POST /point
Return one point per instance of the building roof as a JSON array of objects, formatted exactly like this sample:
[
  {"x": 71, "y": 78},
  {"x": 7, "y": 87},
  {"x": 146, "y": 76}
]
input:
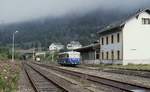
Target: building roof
[
  {"x": 120, "y": 24},
  {"x": 87, "y": 48}
]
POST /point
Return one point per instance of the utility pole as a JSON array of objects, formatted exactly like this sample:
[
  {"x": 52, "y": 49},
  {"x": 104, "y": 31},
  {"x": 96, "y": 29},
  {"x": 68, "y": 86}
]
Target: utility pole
[{"x": 13, "y": 46}]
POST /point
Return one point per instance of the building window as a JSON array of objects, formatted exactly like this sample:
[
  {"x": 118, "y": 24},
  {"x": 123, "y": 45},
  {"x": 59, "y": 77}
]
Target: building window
[
  {"x": 118, "y": 55},
  {"x": 107, "y": 54},
  {"x": 102, "y": 55},
  {"x": 102, "y": 41},
  {"x": 145, "y": 20},
  {"x": 112, "y": 39},
  {"x": 118, "y": 37},
  {"x": 97, "y": 54},
  {"x": 112, "y": 55},
  {"x": 107, "y": 40}
]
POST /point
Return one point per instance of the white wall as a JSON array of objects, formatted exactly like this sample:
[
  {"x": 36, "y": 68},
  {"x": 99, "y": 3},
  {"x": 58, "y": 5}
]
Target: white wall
[
  {"x": 136, "y": 41},
  {"x": 52, "y": 47},
  {"x": 55, "y": 47}
]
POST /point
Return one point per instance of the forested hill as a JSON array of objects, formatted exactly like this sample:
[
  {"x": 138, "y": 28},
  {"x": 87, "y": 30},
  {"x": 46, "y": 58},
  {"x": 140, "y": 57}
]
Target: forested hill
[{"x": 63, "y": 29}]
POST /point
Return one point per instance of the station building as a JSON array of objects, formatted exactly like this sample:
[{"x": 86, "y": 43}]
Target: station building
[
  {"x": 89, "y": 54},
  {"x": 127, "y": 41}
]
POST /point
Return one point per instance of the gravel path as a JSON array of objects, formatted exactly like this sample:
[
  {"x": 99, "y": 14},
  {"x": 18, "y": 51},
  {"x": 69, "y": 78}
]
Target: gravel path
[
  {"x": 24, "y": 84},
  {"x": 120, "y": 77}
]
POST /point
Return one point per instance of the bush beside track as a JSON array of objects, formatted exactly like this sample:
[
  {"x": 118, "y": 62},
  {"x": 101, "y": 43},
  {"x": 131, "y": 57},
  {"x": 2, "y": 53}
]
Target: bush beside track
[{"x": 9, "y": 75}]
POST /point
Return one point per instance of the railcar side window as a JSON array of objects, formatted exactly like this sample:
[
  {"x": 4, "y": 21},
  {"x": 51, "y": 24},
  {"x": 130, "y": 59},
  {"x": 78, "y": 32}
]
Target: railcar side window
[{"x": 67, "y": 55}]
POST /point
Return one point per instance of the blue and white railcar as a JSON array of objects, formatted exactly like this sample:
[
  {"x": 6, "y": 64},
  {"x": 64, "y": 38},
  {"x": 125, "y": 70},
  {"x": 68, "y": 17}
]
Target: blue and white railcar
[{"x": 69, "y": 58}]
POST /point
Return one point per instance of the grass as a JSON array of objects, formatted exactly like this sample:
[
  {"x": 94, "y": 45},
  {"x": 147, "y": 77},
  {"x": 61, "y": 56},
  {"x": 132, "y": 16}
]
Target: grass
[
  {"x": 9, "y": 76},
  {"x": 132, "y": 66},
  {"x": 129, "y": 66}
]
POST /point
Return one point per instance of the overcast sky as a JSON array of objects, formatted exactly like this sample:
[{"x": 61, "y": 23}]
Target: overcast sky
[{"x": 23, "y": 10}]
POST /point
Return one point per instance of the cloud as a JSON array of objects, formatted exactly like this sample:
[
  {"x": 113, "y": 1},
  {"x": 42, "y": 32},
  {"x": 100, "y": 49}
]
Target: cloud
[{"x": 22, "y": 10}]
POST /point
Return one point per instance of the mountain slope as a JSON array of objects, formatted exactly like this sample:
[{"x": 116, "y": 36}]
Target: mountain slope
[{"x": 43, "y": 32}]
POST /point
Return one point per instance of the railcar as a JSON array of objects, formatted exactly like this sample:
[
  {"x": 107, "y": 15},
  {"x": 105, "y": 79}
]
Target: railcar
[{"x": 71, "y": 58}]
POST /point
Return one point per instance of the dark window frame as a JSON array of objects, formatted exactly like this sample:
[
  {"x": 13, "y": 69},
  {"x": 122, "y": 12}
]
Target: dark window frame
[
  {"x": 102, "y": 55},
  {"x": 118, "y": 37},
  {"x": 112, "y": 39},
  {"x": 118, "y": 54},
  {"x": 97, "y": 54},
  {"x": 112, "y": 55},
  {"x": 146, "y": 21},
  {"x": 107, "y": 55},
  {"x": 102, "y": 41},
  {"x": 107, "y": 40}
]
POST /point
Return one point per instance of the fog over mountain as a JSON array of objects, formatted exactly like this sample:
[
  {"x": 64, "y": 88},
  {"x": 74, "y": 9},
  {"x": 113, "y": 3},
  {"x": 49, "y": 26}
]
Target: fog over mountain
[
  {"x": 24, "y": 10},
  {"x": 41, "y": 22}
]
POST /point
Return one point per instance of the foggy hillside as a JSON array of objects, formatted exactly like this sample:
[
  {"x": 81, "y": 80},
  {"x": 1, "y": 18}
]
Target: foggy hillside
[{"x": 43, "y": 32}]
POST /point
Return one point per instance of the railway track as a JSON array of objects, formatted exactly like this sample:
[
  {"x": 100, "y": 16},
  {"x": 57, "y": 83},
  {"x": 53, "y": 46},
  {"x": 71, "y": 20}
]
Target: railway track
[
  {"x": 126, "y": 87},
  {"x": 131, "y": 72},
  {"x": 40, "y": 83}
]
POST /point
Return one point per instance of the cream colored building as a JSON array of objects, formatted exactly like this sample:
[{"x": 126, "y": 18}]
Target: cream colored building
[{"x": 127, "y": 41}]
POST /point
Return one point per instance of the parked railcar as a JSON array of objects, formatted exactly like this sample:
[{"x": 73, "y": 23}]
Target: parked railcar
[{"x": 71, "y": 58}]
